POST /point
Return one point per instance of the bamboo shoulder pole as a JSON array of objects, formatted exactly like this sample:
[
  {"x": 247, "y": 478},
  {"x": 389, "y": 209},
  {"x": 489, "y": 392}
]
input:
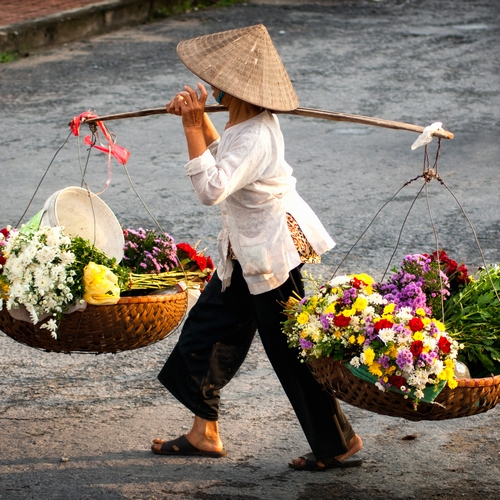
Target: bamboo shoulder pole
[{"x": 307, "y": 112}]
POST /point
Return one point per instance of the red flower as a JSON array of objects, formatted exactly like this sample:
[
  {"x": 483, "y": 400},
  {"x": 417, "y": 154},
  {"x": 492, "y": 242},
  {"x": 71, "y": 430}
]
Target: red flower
[
  {"x": 210, "y": 263},
  {"x": 463, "y": 275},
  {"x": 416, "y": 347},
  {"x": 201, "y": 262},
  {"x": 383, "y": 323},
  {"x": 357, "y": 283},
  {"x": 188, "y": 249},
  {"x": 444, "y": 345},
  {"x": 341, "y": 320},
  {"x": 415, "y": 324},
  {"x": 397, "y": 381}
]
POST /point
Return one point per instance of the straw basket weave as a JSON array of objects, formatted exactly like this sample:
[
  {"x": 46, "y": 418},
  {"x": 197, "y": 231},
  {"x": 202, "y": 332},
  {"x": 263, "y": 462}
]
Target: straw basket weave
[
  {"x": 131, "y": 323},
  {"x": 471, "y": 397}
]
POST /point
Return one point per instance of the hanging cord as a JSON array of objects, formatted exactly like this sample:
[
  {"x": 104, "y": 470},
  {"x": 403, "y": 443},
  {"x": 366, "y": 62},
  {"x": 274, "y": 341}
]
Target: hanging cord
[
  {"x": 427, "y": 175},
  {"x": 41, "y": 180},
  {"x": 141, "y": 200},
  {"x": 155, "y": 220},
  {"x": 83, "y": 171}
]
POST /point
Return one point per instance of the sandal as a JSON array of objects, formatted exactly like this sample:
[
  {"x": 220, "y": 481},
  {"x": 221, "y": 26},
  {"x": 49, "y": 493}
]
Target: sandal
[
  {"x": 310, "y": 463},
  {"x": 181, "y": 446}
]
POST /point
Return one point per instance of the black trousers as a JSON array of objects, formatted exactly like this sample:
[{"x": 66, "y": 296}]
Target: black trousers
[{"x": 215, "y": 340}]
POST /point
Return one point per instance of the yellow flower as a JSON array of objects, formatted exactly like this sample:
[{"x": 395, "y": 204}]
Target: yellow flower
[
  {"x": 100, "y": 285},
  {"x": 365, "y": 278},
  {"x": 361, "y": 339},
  {"x": 349, "y": 312},
  {"x": 313, "y": 302},
  {"x": 303, "y": 318},
  {"x": 440, "y": 326},
  {"x": 369, "y": 354},
  {"x": 330, "y": 308},
  {"x": 389, "y": 308},
  {"x": 352, "y": 339},
  {"x": 360, "y": 304},
  {"x": 418, "y": 336},
  {"x": 390, "y": 370},
  {"x": 374, "y": 369},
  {"x": 426, "y": 320},
  {"x": 452, "y": 383},
  {"x": 447, "y": 373},
  {"x": 393, "y": 351},
  {"x": 420, "y": 312}
]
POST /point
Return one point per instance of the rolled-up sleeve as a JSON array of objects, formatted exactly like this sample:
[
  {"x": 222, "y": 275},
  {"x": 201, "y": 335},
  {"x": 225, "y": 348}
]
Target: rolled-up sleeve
[{"x": 215, "y": 177}]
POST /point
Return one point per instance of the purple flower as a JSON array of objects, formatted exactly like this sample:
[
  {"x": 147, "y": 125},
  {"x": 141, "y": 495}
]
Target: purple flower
[
  {"x": 305, "y": 344},
  {"x": 404, "y": 357},
  {"x": 325, "y": 320},
  {"x": 385, "y": 361}
]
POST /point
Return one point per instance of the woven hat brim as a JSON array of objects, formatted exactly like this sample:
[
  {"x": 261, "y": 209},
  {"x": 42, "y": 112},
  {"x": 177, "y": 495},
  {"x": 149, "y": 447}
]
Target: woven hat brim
[{"x": 243, "y": 63}]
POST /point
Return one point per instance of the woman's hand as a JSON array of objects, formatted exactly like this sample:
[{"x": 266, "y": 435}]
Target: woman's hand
[{"x": 190, "y": 106}]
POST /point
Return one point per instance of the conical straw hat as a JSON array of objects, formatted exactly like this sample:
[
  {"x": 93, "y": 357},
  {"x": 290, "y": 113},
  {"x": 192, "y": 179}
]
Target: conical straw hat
[{"x": 243, "y": 63}]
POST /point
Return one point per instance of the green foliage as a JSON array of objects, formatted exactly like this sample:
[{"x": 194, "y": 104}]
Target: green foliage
[
  {"x": 6, "y": 57},
  {"x": 85, "y": 252},
  {"x": 473, "y": 319}
]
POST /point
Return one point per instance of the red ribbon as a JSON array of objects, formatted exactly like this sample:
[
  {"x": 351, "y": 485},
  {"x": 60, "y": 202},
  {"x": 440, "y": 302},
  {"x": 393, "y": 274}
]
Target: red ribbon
[{"x": 118, "y": 152}]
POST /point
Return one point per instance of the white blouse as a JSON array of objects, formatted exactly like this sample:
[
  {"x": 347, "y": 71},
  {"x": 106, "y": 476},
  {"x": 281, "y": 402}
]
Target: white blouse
[{"x": 245, "y": 172}]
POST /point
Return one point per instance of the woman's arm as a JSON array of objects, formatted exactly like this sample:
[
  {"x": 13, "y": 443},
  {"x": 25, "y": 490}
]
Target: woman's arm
[{"x": 198, "y": 128}]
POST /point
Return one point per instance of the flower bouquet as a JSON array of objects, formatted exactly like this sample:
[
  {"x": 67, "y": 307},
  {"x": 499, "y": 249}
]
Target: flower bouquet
[
  {"x": 389, "y": 342},
  {"x": 384, "y": 333},
  {"x": 44, "y": 273},
  {"x": 156, "y": 262}
]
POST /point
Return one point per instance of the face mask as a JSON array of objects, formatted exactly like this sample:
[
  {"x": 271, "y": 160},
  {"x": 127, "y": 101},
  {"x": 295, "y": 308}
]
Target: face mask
[{"x": 220, "y": 97}]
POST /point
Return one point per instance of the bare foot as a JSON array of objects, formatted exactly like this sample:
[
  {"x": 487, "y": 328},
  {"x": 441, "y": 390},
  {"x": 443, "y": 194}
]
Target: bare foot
[
  {"x": 355, "y": 445},
  {"x": 204, "y": 435}
]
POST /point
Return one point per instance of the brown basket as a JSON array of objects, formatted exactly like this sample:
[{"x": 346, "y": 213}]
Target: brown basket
[
  {"x": 131, "y": 323},
  {"x": 471, "y": 397}
]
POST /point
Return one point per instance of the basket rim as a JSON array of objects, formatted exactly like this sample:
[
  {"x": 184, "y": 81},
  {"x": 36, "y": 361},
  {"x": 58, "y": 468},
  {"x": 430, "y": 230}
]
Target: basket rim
[
  {"x": 148, "y": 299},
  {"x": 462, "y": 382},
  {"x": 479, "y": 382}
]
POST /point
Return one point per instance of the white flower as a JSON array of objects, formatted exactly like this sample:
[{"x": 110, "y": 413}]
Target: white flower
[
  {"x": 339, "y": 280},
  {"x": 368, "y": 311},
  {"x": 379, "y": 386},
  {"x": 386, "y": 335},
  {"x": 404, "y": 314},
  {"x": 376, "y": 298},
  {"x": 36, "y": 272},
  {"x": 332, "y": 298},
  {"x": 430, "y": 342},
  {"x": 51, "y": 325},
  {"x": 355, "y": 361}
]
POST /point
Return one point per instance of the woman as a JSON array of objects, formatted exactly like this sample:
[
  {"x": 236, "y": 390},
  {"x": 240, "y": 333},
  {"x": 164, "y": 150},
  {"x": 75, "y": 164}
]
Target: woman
[{"x": 268, "y": 232}]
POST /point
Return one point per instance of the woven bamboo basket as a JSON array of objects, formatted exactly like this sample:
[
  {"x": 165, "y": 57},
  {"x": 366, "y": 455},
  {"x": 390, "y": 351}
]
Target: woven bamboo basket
[
  {"x": 471, "y": 397},
  {"x": 131, "y": 323}
]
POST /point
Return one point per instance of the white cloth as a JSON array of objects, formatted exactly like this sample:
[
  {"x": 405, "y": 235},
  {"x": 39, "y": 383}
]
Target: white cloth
[{"x": 245, "y": 172}]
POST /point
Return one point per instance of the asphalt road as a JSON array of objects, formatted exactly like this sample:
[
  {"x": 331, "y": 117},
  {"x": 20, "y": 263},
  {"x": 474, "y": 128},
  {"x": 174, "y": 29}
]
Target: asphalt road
[{"x": 414, "y": 61}]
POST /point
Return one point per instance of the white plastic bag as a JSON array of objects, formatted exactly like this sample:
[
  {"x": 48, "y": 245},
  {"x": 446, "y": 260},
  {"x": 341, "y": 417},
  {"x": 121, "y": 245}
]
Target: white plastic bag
[{"x": 426, "y": 136}]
